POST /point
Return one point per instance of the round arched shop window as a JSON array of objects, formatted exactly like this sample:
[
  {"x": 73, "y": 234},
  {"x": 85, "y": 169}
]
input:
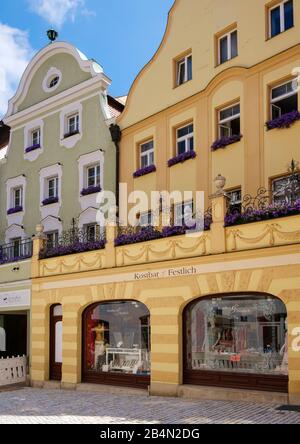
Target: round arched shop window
[
  {"x": 237, "y": 334},
  {"x": 117, "y": 339},
  {"x": 53, "y": 82}
]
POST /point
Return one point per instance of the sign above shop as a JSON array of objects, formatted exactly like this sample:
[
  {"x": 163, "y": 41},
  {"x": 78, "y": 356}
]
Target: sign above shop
[{"x": 15, "y": 299}]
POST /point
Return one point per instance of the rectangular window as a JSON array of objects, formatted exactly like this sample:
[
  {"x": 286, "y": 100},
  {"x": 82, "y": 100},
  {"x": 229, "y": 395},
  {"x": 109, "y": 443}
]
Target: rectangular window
[
  {"x": 73, "y": 124},
  {"x": 228, "y": 46},
  {"x": 185, "y": 139},
  {"x": 35, "y": 137},
  {"x": 92, "y": 232},
  {"x": 281, "y": 18},
  {"x": 229, "y": 121},
  {"x": 184, "y": 68},
  {"x": 286, "y": 189},
  {"x": 284, "y": 99},
  {"x": 17, "y": 197},
  {"x": 52, "y": 187},
  {"x": 183, "y": 213},
  {"x": 146, "y": 219},
  {"x": 93, "y": 176},
  {"x": 16, "y": 247},
  {"x": 235, "y": 200},
  {"x": 52, "y": 239},
  {"x": 147, "y": 154}
]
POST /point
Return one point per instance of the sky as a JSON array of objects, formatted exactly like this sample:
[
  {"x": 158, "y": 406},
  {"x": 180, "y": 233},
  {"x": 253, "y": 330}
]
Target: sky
[{"x": 121, "y": 35}]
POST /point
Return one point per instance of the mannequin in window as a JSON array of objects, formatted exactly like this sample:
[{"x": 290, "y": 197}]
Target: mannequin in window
[{"x": 100, "y": 347}]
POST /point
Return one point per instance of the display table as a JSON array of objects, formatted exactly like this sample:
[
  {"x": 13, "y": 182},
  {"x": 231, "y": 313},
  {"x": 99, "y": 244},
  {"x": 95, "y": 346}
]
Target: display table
[{"x": 128, "y": 360}]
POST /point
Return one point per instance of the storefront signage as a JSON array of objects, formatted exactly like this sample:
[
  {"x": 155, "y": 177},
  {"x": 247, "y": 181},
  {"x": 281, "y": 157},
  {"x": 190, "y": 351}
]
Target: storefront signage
[
  {"x": 170, "y": 272},
  {"x": 15, "y": 299}
]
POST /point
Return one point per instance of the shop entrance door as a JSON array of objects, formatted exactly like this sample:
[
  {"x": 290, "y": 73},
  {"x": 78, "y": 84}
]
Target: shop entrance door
[{"x": 55, "y": 342}]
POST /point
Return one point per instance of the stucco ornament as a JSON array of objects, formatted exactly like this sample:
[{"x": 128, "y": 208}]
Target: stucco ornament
[{"x": 39, "y": 231}]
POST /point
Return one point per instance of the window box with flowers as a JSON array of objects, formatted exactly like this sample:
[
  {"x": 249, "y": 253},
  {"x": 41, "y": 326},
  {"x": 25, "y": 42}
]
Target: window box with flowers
[
  {"x": 15, "y": 210},
  {"x": 144, "y": 171},
  {"x": 50, "y": 200},
  {"x": 181, "y": 158},
  {"x": 225, "y": 141},
  {"x": 32, "y": 148},
  {"x": 90, "y": 190},
  {"x": 285, "y": 121}
]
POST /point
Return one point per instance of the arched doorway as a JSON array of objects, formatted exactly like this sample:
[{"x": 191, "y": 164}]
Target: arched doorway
[
  {"x": 55, "y": 343},
  {"x": 116, "y": 344},
  {"x": 237, "y": 341}
]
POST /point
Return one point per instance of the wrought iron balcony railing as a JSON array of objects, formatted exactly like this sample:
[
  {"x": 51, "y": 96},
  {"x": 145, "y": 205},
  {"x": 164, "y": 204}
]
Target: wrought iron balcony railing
[{"x": 15, "y": 251}]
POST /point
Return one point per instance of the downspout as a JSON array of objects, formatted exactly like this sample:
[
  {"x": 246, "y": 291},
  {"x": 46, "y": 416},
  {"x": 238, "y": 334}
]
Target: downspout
[{"x": 116, "y": 136}]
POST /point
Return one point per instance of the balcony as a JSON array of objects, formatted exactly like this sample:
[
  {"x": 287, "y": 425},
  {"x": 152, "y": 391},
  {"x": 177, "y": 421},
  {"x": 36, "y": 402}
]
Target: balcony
[{"x": 15, "y": 251}]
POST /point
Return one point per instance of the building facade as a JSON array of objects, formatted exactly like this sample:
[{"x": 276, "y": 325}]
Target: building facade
[
  {"x": 54, "y": 160},
  {"x": 160, "y": 306}
]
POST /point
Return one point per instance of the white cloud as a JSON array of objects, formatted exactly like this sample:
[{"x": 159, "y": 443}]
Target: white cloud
[
  {"x": 56, "y": 12},
  {"x": 15, "y": 53}
]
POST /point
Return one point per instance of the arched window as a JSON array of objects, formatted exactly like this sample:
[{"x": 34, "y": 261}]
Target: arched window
[
  {"x": 116, "y": 343},
  {"x": 237, "y": 340}
]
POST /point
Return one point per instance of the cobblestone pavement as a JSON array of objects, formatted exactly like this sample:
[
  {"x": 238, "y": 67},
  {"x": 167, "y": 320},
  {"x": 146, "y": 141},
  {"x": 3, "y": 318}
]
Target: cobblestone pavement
[{"x": 25, "y": 406}]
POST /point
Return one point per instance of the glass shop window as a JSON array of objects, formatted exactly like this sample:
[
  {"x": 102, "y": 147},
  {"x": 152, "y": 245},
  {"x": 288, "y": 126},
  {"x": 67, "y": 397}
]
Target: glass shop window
[
  {"x": 118, "y": 338},
  {"x": 238, "y": 333},
  {"x": 284, "y": 99}
]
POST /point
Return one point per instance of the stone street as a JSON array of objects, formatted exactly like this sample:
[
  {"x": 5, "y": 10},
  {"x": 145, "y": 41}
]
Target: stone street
[{"x": 35, "y": 406}]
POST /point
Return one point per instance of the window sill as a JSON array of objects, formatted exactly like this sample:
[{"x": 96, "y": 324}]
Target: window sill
[
  {"x": 49, "y": 201},
  {"x": 181, "y": 84},
  {"x": 181, "y": 158},
  {"x": 13, "y": 211},
  {"x": 144, "y": 171},
  {"x": 68, "y": 135},
  {"x": 32, "y": 148},
  {"x": 226, "y": 141},
  {"x": 89, "y": 191},
  {"x": 226, "y": 61},
  {"x": 277, "y": 35},
  {"x": 283, "y": 122}
]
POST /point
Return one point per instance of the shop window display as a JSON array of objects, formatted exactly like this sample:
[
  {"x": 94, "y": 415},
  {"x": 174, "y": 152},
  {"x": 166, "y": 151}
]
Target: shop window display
[
  {"x": 117, "y": 338},
  {"x": 237, "y": 334}
]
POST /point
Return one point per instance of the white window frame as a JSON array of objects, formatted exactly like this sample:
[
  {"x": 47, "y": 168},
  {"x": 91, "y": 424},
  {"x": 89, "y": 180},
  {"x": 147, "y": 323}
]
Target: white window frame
[
  {"x": 179, "y": 63},
  {"x": 148, "y": 215},
  {"x": 283, "y": 96},
  {"x": 74, "y": 116},
  {"x": 187, "y": 138},
  {"x": 93, "y": 225},
  {"x": 38, "y": 132},
  {"x": 228, "y": 35},
  {"x": 228, "y": 119},
  {"x": 93, "y": 167},
  {"x": 179, "y": 218},
  {"x": 13, "y": 201},
  {"x": 282, "y": 18},
  {"x": 56, "y": 186},
  {"x": 54, "y": 234},
  {"x": 147, "y": 154}
]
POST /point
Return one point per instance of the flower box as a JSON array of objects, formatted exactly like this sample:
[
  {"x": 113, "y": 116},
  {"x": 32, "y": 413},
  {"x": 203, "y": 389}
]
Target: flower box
[
  {"x": 50, "y": 200},
  {"x": 73, "y": 133},
  {"x": 145, "y": 234},
  {"x": 181, "y": 158},
  {"x": 284, "y": 121},
  {"x": 270, "y": 212},
  {"x": 78, "y": 247},
  {"x": 32, "y": 148},
  {"x": 225, "y": 141},
  {"x": 90, "y": 190},
  {"x": 15, "y": 210},
  {"x": 143, "y": 171}
]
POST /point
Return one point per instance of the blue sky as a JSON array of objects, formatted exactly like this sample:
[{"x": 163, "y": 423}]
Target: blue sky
[{"x": 122, "y": 35}]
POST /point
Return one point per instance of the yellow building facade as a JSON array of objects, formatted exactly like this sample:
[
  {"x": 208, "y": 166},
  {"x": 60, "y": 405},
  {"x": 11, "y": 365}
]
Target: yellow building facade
[{"x": 222, "y": 71}]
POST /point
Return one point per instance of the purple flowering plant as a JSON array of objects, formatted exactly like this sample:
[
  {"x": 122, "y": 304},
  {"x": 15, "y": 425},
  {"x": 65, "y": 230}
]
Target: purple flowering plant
[
  {"x": 32, "y": 148},
  {"x": 14, "y": 210},
  {"x": 182, "y": 158},
  {"x": 285, "y": 121},
  {"x": 50, "y": 200},
  {"x": 225, "y": 141},
  {"x": 90, "y": 190},
  {"x": 256, "y": 215},
  {"x": 143, "y": 171},
  {"x": 77, "y": 247}
]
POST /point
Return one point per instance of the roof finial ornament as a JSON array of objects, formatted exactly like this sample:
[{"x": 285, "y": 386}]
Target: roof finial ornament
[{"x": 52, "y": 35}]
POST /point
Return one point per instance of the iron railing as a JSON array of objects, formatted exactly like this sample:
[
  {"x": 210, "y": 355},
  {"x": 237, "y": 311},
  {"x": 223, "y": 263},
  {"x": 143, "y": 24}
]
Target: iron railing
[
  {"x": 15, "y": 251},
  {"x": 72, "y": 241}
]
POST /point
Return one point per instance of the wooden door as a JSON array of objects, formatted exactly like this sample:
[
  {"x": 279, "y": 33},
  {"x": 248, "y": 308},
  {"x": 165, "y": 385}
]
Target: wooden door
[{"x": 55, "y": 342}]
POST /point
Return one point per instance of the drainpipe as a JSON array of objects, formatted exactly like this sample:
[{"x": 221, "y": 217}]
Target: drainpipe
[{"x": 116, "y": 136}]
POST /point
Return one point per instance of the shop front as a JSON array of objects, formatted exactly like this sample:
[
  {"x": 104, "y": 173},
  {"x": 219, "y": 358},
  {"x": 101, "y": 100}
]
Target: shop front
[
  {"x": 14, "y": 323},
  {"x": 116, "y": 344},
  {"x": 238, "y": 341}
]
